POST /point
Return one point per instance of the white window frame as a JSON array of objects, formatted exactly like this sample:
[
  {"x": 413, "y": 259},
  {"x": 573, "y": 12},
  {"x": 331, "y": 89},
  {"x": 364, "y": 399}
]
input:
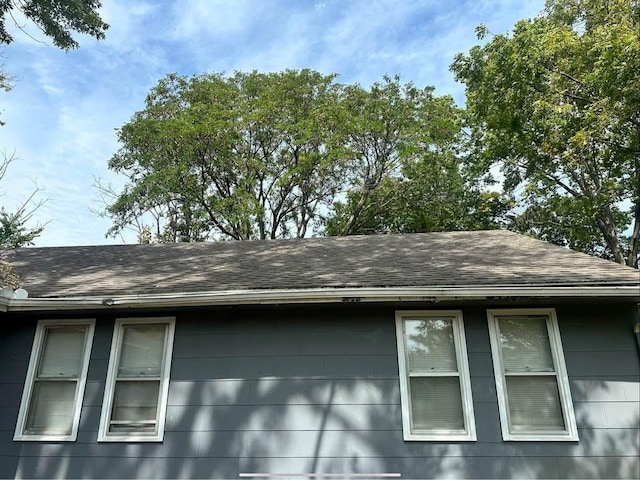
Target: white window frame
[
  {"x": 566, "y": 404},
  {"x": 112, "y": 371},
  {"x": 36, "y": 351},
  {"x": 460, "y": 346}
]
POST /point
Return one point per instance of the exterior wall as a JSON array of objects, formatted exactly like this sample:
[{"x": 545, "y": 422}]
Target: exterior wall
[{"x": 288, "y": 390}]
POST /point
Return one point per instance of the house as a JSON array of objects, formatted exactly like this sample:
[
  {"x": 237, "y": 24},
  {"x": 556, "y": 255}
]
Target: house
[{"x": 465, "y": 354}]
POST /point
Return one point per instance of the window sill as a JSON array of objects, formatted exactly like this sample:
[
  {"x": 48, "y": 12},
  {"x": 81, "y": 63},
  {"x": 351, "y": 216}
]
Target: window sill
[
  {"x": 44, "y": 438},
  {"x": 416, "y": 437},
  {"x": 131, "y": 438},
  {"x": 539, "y": 437}
]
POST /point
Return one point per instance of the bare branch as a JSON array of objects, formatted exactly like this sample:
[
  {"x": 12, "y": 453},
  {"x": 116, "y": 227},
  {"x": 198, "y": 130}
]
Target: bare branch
[{"x": 22, "y": 28}]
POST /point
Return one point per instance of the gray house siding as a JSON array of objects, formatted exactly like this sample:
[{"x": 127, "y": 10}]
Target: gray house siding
[{"x": 315, "y": 389}]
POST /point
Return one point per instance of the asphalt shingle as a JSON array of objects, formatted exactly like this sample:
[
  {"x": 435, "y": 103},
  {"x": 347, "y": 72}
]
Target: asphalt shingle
[{"x": 481, "y": 258}]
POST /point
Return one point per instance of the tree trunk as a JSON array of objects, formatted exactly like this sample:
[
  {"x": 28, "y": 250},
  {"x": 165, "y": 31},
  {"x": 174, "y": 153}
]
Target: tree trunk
[
  {"x": 634, "y": 241},
  {"x": 355, "y": 214},
  {"x": 608, "y": 229}
]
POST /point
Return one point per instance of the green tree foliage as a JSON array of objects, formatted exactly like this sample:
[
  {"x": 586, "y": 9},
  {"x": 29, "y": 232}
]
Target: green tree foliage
[
  {"x": 411, "y": 177},
  {"x": 556, "y": 104},
  {"x": 14, "y": 231},
  {"x": 429, "y": 202},
  {"x": 269, "y": 155},
  {"x": 56, "y": 18},
  {"x": 238, "y": 157}
]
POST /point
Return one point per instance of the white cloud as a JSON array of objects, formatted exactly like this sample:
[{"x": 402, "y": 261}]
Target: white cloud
[{"x": 214, "y": 18}]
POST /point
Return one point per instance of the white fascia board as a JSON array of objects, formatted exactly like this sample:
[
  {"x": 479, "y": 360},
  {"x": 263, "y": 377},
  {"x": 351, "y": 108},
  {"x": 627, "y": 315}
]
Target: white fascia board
[{"x": 316, "y": 295}]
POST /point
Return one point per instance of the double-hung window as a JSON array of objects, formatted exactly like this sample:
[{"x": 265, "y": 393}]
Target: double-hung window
[
  {"x": 531, "y": 377},
  {"x": 435, "y": 388},
  {"x": 135, "y": 400},
  {"x": 56, "y": 377}
]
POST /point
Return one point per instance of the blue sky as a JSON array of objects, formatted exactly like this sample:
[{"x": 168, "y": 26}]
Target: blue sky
[{"x": 63, "y": 112}]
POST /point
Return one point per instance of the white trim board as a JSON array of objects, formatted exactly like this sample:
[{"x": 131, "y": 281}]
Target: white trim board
[{"x": 317, "y": 295}]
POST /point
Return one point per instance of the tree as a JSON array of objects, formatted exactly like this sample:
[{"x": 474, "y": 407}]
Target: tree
[
  {"x": 271, "y": 155},
  {"x": 56, "y": 19},
  {"x": 556, "y": 105},
  {"x": 383, "y": 126},
  {"x": 427, "y": 202},
  {"x": 14, "y": 231},
  {"x": 412, "y": 177},
  {"x": 241, "y": 157}
]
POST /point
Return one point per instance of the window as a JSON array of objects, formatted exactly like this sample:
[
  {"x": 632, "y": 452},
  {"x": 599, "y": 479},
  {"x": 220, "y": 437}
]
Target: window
[
  {"x": 135, "y": 398},
  {"x": 57, "y": 373},
  {"x": 531, "y": 378},
  {"x": 435, "y": 389}
]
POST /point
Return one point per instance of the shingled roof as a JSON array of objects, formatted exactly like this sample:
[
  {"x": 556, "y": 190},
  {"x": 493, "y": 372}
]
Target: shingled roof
[{"x": 481, "y": 258}]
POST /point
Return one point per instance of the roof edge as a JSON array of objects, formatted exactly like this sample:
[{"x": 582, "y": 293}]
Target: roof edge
[{"x": 314, "y": 295}]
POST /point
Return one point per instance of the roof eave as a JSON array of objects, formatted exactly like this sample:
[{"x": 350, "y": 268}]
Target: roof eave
[{"x": 316, "y": 295}]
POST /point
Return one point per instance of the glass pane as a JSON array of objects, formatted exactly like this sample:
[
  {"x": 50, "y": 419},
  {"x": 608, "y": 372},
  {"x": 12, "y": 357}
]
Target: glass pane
[
  {"x": 430, "y": 345},
  {"x": 51, "y": 409},
  {"x": 534, "y": 403},
  {"x": 141, "y": 352},
  {"x": 62, "y": 350},
  {"x": 525, "y": 344},
  {"x": 135, "y": 401},
  {"x": 436, "y": 403}
]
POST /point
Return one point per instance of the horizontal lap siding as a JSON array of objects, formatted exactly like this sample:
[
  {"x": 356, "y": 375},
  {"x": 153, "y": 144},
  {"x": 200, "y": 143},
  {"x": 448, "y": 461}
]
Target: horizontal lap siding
[
  {"x": 295, "y": 390},
  {"x": 15, "y": 348}
]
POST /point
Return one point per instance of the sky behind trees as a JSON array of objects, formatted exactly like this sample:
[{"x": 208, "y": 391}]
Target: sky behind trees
[{"x": 65, "y": 107}]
